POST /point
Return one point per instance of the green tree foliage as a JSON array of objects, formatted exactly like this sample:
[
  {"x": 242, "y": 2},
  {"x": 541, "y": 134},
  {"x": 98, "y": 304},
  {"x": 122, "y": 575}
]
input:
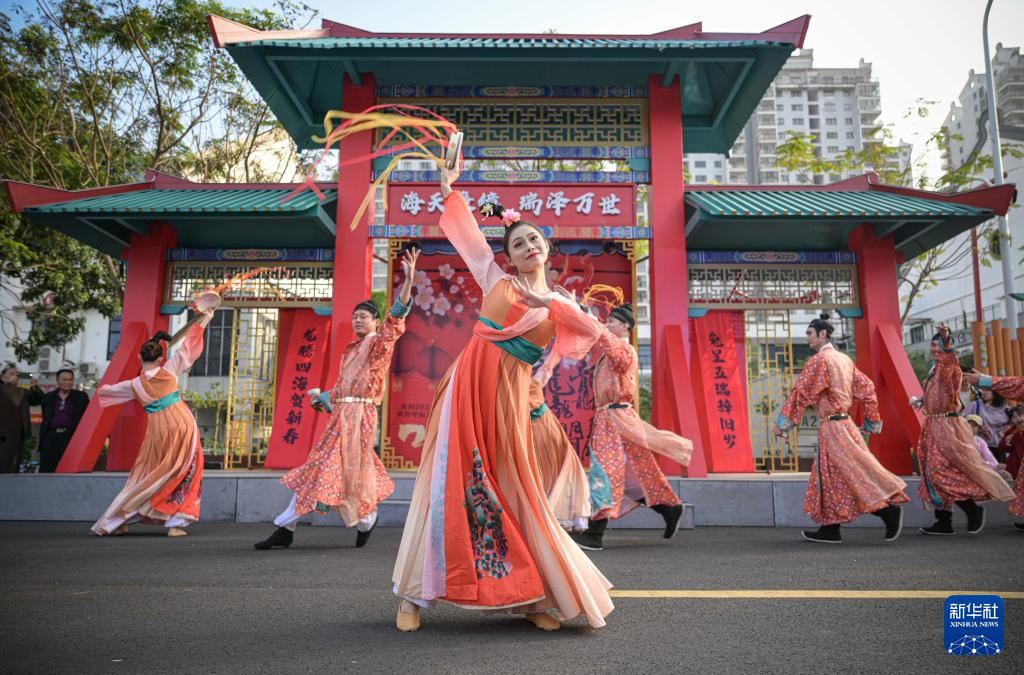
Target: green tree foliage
[{"x": 92, "y": 93}]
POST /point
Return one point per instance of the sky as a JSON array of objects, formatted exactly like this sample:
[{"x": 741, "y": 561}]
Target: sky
[{"x": 919, "y": 50}]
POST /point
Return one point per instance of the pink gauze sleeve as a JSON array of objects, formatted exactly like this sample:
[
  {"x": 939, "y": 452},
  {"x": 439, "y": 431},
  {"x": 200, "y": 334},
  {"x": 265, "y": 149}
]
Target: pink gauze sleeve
[
  {"x": 575, "y": 331},
  {"x": 460, "y": 227},
  {"x": 547, "y": 368},
  {"x": 187, "y": 352},
  {"x": 115, "y": 394}
]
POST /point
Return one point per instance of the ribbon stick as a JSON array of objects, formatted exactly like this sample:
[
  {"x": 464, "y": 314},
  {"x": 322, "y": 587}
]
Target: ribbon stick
[
  {"x": 408, "y": 136},
  {"x": 215, "y": 294},
  {"x": 598, "y": 295}
]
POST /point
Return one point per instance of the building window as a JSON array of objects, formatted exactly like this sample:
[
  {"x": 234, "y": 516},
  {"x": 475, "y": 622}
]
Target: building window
[
  {"x": 215, "y": 361},
  {"x": 848, "y": 120},
  {"x": 849, "y": 134},
  {"x": 643, "y": 351},
  {"x": 700, "y": 178},
  {"x": 781, "y": 121},
  {"x": 917, "y": 334},
  {"x": 830, "y": 120},
  {"x": 831, "y": 134},
  {"x": 780, "y": 107},
  {"x": 718, "y": 164},
  {"x": 701, "y": 164},
  {"x": 830, "y": 107},
  {"x": 113, "y": 336},
  {"x": 847, "y": 107},
  {"x": 798, "y": 121},
  {"x": 797, "y": 107},
  {"x": 833, "y": 148}
]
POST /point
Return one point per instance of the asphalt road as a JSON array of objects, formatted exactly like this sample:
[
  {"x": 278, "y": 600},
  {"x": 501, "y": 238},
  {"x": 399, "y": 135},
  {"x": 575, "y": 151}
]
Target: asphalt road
[{"x": 144, "y": 603}]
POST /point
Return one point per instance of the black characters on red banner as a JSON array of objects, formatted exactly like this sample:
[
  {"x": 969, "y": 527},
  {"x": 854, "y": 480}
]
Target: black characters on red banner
[
  {"x": 571, "y": 396},
  {"x": 723, "y": 402},
  {"x": 305, "y": 353}
]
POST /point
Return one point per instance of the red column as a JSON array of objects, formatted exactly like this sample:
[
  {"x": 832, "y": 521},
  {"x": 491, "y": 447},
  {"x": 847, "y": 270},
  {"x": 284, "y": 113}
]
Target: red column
[
  {"x": 673, "y": 402},
  {"x": 879, "y": 347},
  {"x": 353, "y": 249},
  {"x": 146, "y": 266}
]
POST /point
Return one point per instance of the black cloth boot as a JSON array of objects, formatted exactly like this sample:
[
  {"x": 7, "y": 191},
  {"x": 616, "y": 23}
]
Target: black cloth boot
[
  {"x": 826, "y": 534},
  {"x": 363, "y": 537},
  {"x": 943, "y": 525},
  {"x": 975, "y": 515},
  {"x": 892, "y": 516},
  {"x": 282, "y": 537},
  {"x": 671, "y": 514},
  {"x": 591, "y": 539}
]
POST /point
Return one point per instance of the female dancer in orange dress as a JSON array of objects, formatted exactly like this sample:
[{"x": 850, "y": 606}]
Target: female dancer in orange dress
[
  {"x": 480, "y": 533},
  {"x": 163, "y": 486},
  {"x": 846, "y": 479},
  {"x": 952, "y": 471}
]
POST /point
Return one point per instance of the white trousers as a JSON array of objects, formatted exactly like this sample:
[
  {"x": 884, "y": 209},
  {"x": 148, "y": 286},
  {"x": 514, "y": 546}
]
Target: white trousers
[{"x": 288, "y": 519}]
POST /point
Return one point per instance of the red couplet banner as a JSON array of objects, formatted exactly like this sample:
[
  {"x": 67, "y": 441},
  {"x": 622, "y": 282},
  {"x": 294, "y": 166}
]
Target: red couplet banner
[
  {"x": 725, "y": 404},
  {"x": 555, "y": 205},
  {"x": 446, "y": 304},
  {"x": 300, "y": 365}
]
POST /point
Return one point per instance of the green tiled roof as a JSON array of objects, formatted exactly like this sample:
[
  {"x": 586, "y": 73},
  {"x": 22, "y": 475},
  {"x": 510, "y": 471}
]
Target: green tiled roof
[
  {"x": 509, "y": 43},
  {"x": 190, "y": 201},
  {"x": 822, "y": 204},
  {"x": 722, "y": 80}
]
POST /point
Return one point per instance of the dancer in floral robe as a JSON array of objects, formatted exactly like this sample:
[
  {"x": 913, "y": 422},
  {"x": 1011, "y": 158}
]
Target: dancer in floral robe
[
  {"x": 952, "y": 472},
  {"x": 164, "y": 485},
  {"x": 1011, "y": 388},
  {"x": 342, "y": 472},
  {"x": 846, "y": 479},
  {"x": 480, "y": 533},
  {"x": 623, "y": 469}
]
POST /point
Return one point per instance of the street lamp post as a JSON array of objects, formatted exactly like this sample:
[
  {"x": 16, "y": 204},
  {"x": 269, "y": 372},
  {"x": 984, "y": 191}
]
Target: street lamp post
[{"x": 997, "y": 169}]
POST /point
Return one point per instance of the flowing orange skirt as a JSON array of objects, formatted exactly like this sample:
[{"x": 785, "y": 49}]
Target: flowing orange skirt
[
  {"x": 164, "y": 485},
  {"x": 480, "y": 532}
]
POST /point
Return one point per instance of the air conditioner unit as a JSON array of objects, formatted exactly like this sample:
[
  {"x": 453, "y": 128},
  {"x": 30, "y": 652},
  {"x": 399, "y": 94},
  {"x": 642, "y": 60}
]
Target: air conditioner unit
[
  {"x": 45, "y": 353},
  {"x": 87, "y": 369}
]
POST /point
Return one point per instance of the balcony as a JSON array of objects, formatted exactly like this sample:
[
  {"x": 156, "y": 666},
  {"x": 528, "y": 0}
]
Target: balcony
[{"x": 869, "y": 104}]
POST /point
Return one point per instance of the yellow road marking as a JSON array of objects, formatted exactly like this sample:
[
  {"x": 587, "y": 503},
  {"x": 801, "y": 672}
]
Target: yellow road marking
[{"x": 858, "y": 595}]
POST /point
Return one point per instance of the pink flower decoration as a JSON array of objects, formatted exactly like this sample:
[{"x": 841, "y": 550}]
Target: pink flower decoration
[{"x": 509, "y": 216}]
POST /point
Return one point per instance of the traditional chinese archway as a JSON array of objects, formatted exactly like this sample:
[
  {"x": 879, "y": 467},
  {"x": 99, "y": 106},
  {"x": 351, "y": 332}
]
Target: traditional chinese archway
[{"x": 631, "y": 99}]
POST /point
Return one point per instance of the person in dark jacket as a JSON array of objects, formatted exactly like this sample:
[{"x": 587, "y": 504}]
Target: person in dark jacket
[
  {"x": 62, "y": 411},
  {"x": 14, "y": 419}
]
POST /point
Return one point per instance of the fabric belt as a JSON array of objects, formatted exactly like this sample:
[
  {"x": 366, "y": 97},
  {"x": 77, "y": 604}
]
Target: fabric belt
[
  {"x": 538, "y": 412},
  {"x": 355, "y": 399},
  {"x": 615, "y": 406},
  {"x": 517, "y": 346},
  {"x": 945, "y": 414},
  {"x": 163, "y": 402},
  {"x": 836, "y": 418}
]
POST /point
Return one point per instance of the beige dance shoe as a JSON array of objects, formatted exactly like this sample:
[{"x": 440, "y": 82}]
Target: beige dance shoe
[
  {"x": 544, "y": 621},
  {"x": 408, "y": 617}
]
